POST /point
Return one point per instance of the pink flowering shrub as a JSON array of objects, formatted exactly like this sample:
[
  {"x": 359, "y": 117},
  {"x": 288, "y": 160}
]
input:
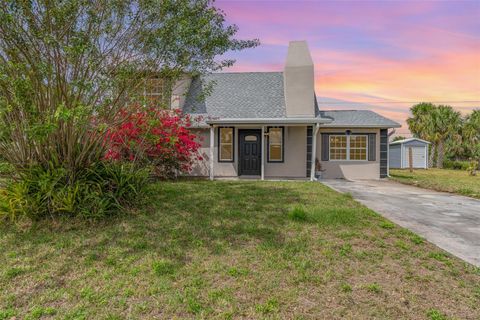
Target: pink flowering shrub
[{"x": 158, "y": 137}]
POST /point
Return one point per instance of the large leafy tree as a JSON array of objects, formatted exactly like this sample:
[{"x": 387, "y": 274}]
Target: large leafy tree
[{"x": 63, "y": 63}]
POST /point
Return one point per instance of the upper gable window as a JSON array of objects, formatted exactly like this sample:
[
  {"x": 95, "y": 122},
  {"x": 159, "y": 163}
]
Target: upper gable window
[{"x": 155, "y": 92}]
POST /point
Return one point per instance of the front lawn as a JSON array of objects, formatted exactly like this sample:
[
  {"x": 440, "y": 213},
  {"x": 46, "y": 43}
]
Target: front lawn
[
  {"x": 222, "y": 250},
  {"x": 456, "y": 181}
]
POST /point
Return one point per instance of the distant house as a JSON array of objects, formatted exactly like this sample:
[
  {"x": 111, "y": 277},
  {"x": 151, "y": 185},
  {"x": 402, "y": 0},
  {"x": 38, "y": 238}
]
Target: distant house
[
  {"x": 268, "y": 125},
  {"x": 400, "y": 150}
]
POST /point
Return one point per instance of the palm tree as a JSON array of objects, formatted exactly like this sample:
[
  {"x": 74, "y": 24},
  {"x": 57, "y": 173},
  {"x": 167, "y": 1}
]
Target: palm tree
[
  {"x": 471, "y": 134},
  {"x": 421, "y": 125},
  {"x": 446, "y": 124}
]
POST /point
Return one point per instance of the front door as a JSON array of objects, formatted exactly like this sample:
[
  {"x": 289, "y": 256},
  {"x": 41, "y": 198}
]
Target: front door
[{"x": 250, "y": 151}]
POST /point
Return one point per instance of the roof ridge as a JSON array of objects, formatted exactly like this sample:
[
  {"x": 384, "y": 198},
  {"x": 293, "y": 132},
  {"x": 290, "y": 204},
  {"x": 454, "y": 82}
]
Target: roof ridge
[
  {"x": 349, "y": 110},
  {"x": 244, "y": 72}
]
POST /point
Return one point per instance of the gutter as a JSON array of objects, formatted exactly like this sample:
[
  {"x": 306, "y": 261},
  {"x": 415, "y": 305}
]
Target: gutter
[
  {"x": 268, "y": 121},
  {"x": 362, "y": 126}
]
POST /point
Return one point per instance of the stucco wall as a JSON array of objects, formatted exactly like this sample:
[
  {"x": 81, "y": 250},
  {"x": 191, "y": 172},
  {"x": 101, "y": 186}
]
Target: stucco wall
[
  {"x": 200, "y": 168},
  {"x": 351, "y": 170},
  {"x": 294, "y": 164},
  {"x": 221, "y": 169},
  {"x": 295, "y": 154}
]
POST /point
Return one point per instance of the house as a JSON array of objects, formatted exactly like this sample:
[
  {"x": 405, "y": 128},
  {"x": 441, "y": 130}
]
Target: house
[
  {"x": 401, "y": 151},
  {"x": 268, "y": 125}
]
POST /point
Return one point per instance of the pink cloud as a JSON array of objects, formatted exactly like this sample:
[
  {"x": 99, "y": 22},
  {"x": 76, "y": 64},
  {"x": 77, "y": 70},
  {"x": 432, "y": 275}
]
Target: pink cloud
[{"x": 377, "y": 53}]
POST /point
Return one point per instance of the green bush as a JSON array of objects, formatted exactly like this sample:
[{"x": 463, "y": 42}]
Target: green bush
[
  {"x": 5, "y": 168},
  {"x": 99, "y": 191},
  {"x": 456, "y": 164}
]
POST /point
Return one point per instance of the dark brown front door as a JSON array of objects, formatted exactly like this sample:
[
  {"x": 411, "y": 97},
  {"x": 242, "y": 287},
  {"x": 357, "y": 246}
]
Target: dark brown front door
[{"x": 250, "y": 151}]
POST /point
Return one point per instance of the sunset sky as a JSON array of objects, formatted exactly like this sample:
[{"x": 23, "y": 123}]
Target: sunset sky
[{"x": 378, "y": 55}]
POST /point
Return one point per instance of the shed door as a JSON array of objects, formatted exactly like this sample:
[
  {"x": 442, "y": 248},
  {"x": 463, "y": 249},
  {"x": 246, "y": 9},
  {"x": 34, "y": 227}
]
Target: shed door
[{"x": 418, "y": 156}]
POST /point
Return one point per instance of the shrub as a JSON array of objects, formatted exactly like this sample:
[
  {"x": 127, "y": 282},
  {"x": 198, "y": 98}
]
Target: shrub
[
  {"x": 456, "y": 164},
  {"x": 151, "y": 136},
  {"x": 5, "y": 168},
  {"x": 472, "y": 167},
  {"x": 95, "y": 192}
]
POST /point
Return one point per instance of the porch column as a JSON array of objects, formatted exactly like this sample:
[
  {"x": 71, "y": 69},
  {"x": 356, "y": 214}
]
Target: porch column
[
  {"x": 262, "y": 156},
  {"x": 314, "y": 152},
  {"x": 212, "y": 146}
]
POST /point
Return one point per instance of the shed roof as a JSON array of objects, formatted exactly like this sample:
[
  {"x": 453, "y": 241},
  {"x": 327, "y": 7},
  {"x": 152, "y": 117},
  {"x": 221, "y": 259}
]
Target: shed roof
[{"x": 409, "y": 140}]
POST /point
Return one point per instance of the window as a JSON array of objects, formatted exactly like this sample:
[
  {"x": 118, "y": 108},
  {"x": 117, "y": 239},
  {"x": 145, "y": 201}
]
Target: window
[
  {"x": 351, "y": 147},
  {"x": 155, "y": 92},
  {"x": 358, "y": 147},
  {"x": 275, "y": 144},
  {"x": 338, "y": 147},
  {"x": 225, "y": 144}
]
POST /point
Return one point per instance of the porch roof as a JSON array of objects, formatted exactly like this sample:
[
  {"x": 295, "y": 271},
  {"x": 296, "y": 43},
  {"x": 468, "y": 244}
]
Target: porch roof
[{"x": 356, "y": 119}]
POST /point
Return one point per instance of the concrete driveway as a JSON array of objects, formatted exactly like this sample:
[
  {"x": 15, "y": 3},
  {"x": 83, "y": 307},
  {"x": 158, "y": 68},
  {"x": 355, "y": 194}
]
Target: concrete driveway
[{"x": 451, "y": 222}]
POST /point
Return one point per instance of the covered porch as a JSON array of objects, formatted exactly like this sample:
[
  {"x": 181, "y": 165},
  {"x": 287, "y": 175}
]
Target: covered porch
[{"x": 263, "y": 148}]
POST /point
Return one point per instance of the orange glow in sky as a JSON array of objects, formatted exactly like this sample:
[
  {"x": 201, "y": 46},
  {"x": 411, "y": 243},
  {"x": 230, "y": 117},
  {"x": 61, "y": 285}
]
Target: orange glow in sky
[{"x": 379, "y": 55}]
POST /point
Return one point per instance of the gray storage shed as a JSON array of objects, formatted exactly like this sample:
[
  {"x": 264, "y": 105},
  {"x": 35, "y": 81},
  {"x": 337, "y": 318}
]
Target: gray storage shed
[{"x": 399, "y": 153}]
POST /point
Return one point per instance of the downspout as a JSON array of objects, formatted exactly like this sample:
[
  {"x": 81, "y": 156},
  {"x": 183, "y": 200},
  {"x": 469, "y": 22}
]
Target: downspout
[
  {"x": 262, "y": 156},
  {"x": 314, "y": 152}
]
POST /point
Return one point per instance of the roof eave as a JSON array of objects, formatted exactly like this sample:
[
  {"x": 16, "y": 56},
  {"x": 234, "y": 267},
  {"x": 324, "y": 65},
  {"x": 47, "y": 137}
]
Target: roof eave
[
  {"x": 376, "y": 126},
  {"x": 268, "y": 121},
  {"x": 409, "y": 140}
]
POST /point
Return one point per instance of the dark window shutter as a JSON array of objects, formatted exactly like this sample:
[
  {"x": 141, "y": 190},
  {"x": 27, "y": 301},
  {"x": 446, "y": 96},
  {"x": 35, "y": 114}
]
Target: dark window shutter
[
  {"x": 372, "y": 147},
  {"x": 325, "y": 146}
]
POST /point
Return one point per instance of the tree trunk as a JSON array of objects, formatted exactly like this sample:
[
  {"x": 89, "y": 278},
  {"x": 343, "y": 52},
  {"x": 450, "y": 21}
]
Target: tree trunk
[
  {"x": 431, "y": 156},
  {"x": 440, "y": 154}
]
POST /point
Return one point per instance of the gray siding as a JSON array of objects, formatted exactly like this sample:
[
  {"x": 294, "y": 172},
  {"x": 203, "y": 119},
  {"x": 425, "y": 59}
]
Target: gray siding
[
  {"x": 309, "y": 150},
  {"x": 383, "y": 153},
  {"x": 395, "y": 156},
  {"x": 372, "y": 151}
]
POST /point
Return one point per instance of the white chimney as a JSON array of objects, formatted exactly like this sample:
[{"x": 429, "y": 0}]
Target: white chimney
[{"x": 299, "y": 81}]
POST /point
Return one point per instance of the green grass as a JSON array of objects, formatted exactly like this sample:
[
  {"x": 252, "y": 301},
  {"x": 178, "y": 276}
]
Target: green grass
[
  {"x": 455, "y": 181},
  {"x": 227, "y": 250}
]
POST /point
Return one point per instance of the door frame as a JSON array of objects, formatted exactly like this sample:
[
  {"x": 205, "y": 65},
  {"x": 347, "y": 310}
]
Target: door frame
[{"x": 241, "y": 134}]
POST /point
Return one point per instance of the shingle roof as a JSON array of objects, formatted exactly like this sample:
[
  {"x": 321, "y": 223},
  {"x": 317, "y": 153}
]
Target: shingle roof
[
  {"x": 238, "y": 95},
  {"x": 260, "y": 95},
  {"x": 357, "y": 118}
]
